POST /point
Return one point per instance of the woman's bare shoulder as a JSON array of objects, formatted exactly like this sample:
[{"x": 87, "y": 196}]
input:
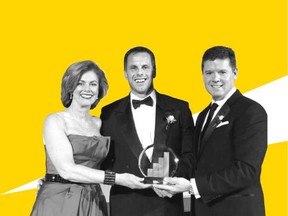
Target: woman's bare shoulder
[
  {"x": 55, "y": 119},
  {"x": 97, "y": 121}
]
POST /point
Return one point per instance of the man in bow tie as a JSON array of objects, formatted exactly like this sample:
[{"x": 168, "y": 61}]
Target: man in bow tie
[
  {"x": 231, "y": 142},
  {"x": 142, "y": 118}
]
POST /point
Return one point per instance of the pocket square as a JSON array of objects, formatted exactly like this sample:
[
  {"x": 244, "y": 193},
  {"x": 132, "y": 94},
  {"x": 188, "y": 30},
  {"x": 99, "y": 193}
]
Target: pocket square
[{"x": 222, "y": 123}]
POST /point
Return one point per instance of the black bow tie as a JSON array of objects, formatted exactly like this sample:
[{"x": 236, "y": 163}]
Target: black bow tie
[{"x": 147, "y": 101}]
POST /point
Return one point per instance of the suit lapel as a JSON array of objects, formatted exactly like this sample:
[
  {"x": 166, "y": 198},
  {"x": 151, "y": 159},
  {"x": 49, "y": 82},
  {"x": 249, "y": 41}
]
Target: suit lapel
[
  {"x": 125, "y": 119},
  {"x": 224, "y": 111},
  {"x": 199, "y": 125},
  {"x": 160, "y": 137},
  {"x": 160, "y": 123}
]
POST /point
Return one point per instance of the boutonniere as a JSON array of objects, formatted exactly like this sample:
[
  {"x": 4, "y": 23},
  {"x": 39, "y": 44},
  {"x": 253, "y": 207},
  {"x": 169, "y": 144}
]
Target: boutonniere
[
  {"x": 219, "y": 119},
  {"x": 170, "y": 120}
]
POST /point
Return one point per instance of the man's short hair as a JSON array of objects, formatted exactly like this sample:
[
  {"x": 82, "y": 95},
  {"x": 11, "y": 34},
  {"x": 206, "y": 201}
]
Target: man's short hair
[
  {"x": 219, "y": 52},
  {"x": 72, "y": 76},
  {"x": 140, "y": 49}
]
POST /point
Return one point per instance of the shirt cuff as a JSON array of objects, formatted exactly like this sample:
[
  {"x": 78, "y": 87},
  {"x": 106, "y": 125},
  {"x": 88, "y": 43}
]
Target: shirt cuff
[{"x": 195, "y": 190}]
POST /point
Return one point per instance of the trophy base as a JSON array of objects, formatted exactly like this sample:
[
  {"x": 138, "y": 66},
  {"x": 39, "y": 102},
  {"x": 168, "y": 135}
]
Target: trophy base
[{"x": 153, "y": 180}]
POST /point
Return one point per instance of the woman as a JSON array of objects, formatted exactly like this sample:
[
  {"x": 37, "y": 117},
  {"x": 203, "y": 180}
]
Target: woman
[{"x": 75, "y": 149}]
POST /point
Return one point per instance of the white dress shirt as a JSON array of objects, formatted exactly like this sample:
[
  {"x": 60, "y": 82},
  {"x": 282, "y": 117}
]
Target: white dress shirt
[{"x": 144, "y": 120}]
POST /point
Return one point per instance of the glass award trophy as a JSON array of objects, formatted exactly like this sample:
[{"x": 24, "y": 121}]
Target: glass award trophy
[{"x": 163, "y": 163}]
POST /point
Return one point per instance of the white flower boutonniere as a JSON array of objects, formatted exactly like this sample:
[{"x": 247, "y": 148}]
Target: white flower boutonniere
[
  {"x": 170, "y": 120},
  {"x": 220, "y": 117},
  {"x": 218, "y": 120}
]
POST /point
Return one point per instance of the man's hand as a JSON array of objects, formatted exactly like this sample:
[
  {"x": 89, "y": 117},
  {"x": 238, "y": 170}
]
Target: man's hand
[
  {"x": 162, "y": 193},
  {"x": 174, "y": 185}
]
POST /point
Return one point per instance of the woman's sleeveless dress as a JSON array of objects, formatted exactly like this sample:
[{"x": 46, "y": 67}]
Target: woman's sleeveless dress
[{"x": 65, "y": 199}]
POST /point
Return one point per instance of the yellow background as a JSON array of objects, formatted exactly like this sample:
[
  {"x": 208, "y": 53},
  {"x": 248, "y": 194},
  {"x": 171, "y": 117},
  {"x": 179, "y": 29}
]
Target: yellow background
[{"x": 39, "y": 40}]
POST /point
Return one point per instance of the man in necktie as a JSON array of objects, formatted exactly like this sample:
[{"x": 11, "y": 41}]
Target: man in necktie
[
  {"x": 231, "y": 145},
  {"x": 211, "y": 112},
  {"x": 137, "y": 121}
]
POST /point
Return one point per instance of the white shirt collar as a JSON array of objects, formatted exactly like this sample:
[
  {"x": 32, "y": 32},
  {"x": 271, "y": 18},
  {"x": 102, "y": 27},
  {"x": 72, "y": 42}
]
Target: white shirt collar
[{"x": 223, "y": 101}]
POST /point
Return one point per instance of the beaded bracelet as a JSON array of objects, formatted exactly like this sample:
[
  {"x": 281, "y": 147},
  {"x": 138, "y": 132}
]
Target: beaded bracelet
[{"x": 109, "y": 178}]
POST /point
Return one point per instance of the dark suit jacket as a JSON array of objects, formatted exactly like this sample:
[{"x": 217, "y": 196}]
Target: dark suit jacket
[
  {"x": 117, "y": 122},
  {"x": 229, "y": 159}
]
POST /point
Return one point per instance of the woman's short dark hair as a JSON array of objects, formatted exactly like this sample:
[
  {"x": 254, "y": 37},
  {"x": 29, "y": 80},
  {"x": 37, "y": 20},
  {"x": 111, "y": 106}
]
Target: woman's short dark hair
[{"x": 72, "y": 76}]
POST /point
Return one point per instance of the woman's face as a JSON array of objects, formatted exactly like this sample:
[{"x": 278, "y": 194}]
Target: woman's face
[{"x": 86, "y": 92}]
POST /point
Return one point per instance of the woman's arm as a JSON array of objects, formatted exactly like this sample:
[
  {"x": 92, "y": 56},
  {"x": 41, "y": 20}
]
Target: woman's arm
[{"x": 61, "y": 154}]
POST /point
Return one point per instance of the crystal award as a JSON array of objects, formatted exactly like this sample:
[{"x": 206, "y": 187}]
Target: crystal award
[{"x": 163, "y": 163}]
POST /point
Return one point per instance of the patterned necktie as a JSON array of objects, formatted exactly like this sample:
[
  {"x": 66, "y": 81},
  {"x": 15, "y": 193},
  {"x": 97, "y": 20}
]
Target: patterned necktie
[
  {"x": 211, "y": 113},
  {"x": 147, "y": 101}
]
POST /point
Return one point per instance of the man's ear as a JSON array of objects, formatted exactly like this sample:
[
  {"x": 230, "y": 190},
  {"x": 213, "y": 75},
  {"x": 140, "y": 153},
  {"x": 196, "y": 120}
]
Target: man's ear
[
  {"x": 125, "y": 74},
  {"x": 235, "y": 73},
  {"x": 154, "y": 71}
]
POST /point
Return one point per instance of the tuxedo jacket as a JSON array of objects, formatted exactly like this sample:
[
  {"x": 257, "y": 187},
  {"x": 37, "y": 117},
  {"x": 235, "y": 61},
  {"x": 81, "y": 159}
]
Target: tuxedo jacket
[
  {"x": 117, "y": 122},
  {"x": 229, "y": 159}
]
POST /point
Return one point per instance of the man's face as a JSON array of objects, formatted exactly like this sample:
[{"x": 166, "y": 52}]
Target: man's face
[
  {"x": 139, "y": 73},
  {"x": 218, "y": 77}
]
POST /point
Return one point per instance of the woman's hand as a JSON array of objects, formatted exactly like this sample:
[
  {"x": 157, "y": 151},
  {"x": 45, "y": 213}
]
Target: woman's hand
[{"x": 131, "y": 181}]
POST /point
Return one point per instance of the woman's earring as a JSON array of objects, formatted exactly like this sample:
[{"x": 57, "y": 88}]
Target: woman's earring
[{"x": 71, "y": 96}]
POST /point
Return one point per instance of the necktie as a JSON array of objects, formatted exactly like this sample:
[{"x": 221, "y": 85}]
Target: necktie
[
  {"x": 147, "y": 101},
  {"x": 211, "y": 113}
]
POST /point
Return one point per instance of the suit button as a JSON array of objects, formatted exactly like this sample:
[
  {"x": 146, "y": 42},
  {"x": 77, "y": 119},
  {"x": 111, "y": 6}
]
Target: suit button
[{"x": 127, "y": 166}]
